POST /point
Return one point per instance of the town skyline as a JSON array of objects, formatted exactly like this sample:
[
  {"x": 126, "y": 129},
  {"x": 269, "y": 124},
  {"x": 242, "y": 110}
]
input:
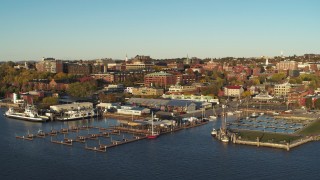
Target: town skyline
[{"x": 166, "y": 29}]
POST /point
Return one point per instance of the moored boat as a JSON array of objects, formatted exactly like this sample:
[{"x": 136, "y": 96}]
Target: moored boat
[
  {"x": 212, "y": 118},
  {"x": 224, "y": 138},
  {"x": 254, "y": 115},
  {"x": 214, "y": 132},
  {"x": 153, "y": 134},
  {"x": 30, "y": 114}
]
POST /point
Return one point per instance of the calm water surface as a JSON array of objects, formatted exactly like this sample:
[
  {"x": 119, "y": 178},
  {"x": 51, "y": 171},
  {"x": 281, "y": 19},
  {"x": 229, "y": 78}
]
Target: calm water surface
[{"x": 187, "y": 154}]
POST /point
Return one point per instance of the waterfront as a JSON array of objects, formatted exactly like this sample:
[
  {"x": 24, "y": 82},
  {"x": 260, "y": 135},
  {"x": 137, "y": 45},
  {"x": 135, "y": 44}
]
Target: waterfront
[{"x": 186, "y": 154}]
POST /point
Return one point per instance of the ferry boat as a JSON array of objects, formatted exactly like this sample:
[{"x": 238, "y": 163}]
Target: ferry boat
[
  {"x": 29, "y": 114},
  {"x": 77, "y": 114}
]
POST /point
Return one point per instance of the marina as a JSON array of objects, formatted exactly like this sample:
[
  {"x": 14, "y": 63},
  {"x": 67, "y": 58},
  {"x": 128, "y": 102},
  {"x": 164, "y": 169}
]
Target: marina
[
  {"x": 194, "y": 146},
  {"x": 98, "y": 138}
]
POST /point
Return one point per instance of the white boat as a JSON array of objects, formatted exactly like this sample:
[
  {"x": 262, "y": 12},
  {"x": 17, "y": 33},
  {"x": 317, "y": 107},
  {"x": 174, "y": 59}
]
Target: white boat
[
  {"x": 29, "y": 114},
  {"x": 214, "y": 132},
  {"x": 214, "y": 115},
  {"x": 225, "y": 138},
  {"x": 77, "y": 114},
  {"x": 254, "y": 115},
  {"x": 229, "y": 113},
  {"x": 212, "y": 118}
]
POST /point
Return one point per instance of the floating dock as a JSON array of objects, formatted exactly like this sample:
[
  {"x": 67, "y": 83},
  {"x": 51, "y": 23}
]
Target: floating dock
[{"x": 129, "y": 135}]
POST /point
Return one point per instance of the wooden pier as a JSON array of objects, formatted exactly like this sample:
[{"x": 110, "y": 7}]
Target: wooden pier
[{"x": 112, "y": 132}]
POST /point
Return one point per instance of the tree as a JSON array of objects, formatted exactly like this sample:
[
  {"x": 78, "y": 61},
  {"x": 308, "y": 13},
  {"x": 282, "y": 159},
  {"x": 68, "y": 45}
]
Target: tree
[
  {"x": 278, "y": 77},
  {"x": 317, "y": 104},
  {"x": 84, "y": 89},
  {"x": 309, "y": 103}
]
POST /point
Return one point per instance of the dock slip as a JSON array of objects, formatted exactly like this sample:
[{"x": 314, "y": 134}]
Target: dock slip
[{"x": 111, "y": 137}]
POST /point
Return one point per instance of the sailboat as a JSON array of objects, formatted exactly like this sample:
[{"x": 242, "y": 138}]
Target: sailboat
[
  {"x": 153, "y": 134},
  {"x": 223, "y": 130},
  {"x": 213, "y": 117}
]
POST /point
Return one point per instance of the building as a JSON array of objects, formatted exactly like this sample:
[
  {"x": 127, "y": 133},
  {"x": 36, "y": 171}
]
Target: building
[
  {"x": 191, "y": 97},
  {"x": 73, "y": 106},
  {"x": 233, "y": 91},
  {"x": 211, "y": 65},
  {"x": 176, "y": 65},
  {"x": 76, "y": 68},
  {"x": 159, "y": 79},
  {"x": 282, "y": 89},
  {"x": 50, "y": 65},
  {"x": 178, "y": 89},
  {"x": 287, "y": 65},
  {"x": 146, "y": 91},
  {"x": 109, "y": 77},
  {"x": 129, "y": 110},
  {"x": 297, "y": 97},
  {"x": 263, "y": 97}
]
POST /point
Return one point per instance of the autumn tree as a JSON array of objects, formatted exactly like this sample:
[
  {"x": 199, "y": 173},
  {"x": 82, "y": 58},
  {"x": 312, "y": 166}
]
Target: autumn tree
[{"x": 84, "y": 89}]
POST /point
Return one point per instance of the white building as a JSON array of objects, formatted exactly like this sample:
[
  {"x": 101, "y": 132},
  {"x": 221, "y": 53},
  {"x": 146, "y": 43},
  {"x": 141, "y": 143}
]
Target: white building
[
  {"x": 181, "y": 89},
  {"x": 282, "y": 89},
  {"x": 233, "y": 91},
  {"x": 129, "y": 110}
]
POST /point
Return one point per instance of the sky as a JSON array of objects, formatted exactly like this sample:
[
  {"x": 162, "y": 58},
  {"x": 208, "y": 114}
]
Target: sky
[{"x": 91, "y": 29}]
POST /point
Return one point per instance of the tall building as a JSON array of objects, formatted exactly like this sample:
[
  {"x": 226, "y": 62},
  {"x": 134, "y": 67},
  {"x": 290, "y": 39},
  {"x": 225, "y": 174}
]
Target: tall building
[{"x": 50, "y": 65}]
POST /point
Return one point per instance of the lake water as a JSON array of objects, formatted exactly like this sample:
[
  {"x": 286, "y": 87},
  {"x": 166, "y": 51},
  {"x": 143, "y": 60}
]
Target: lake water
[{"x": 186, "y": 154}]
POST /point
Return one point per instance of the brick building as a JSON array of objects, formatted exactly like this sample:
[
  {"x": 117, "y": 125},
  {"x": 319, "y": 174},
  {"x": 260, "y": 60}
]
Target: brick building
[{"x": 161, "y": 79}]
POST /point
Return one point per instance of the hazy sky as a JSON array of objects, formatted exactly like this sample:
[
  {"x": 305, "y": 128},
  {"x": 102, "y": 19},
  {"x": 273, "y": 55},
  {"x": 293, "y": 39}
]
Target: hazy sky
[{"x": 88, "y": 29}]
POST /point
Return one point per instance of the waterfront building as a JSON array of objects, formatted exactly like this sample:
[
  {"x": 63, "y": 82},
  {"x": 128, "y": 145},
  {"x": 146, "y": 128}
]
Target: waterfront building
[
  {"x": 146, "y": 91},
  {"x": 192, "y": 97},
  {"x": 233, "y": 91},
  {"x": 73, "y": 106},
  {"x": 129, "y": 110},
  {"x": 263, "y": 97}
]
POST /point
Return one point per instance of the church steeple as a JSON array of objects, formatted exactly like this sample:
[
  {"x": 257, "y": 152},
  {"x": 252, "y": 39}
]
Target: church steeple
[{"x": 126, "y": 58}]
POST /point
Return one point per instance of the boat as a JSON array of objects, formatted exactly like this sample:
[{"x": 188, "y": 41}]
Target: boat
[
  {"x": 214, "y": 115},
  {"x": 30, "y": 114},
  {"x": 254, "y": 115},
  {"x": 224, "y": 138},
  {"x": 212, "y": 118},
  {"x": 223, "y": 130},
  {"x": 153, "y": 134},
  {"x": 229, "y": 113},
  {"x": 214, "y": 132},
  {"x": 77, "y": 114}
]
